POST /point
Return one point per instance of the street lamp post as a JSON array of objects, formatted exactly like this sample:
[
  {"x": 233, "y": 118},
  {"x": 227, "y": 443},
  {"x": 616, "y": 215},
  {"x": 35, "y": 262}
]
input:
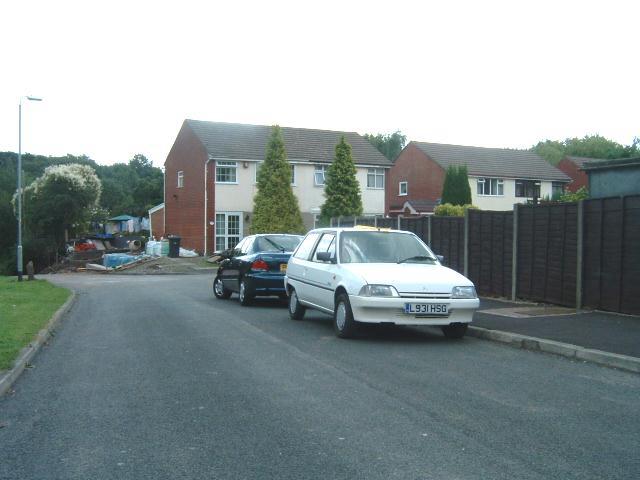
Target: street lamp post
[{"x": 19, "y": 184}]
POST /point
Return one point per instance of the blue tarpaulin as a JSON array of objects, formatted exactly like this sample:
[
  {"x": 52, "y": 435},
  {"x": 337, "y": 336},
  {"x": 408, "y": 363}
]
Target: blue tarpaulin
[{"x": 112, "y": 260}]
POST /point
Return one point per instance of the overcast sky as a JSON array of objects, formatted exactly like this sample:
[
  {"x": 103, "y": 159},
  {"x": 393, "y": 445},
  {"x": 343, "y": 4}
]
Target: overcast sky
[{"x": 118, "y": 78}]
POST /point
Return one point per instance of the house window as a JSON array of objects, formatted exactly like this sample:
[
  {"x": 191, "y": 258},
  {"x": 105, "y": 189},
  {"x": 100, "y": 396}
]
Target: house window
[
  {"x": 557, "y": 189},
  {"x": 491, "y": 186},
  {"x": 375, "y": 178},
  {"x": 180, "y": 179},
  {"x": 293, "y": 172},
  {"x": 226, "y": 172},
  {"x": 403, "y": 188},
  {"x": 527, "y": 188},
  {"x": 319, "y": 174},
  {"x": 228, "y": 230}
]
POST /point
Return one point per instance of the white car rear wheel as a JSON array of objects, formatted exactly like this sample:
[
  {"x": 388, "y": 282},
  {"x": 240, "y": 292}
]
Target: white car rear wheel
[{"x": 296, "y": 310}]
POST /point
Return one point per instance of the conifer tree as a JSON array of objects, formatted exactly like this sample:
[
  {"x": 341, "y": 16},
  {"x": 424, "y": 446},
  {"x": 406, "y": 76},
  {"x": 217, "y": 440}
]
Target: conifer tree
[
  {"x": 275, "y": 207},
  {"x": 465, "y": 189},
  {"x": 448, "y": 189},
  {"x": 456, "y": 190},
  {"x": 341, "y": 190}
]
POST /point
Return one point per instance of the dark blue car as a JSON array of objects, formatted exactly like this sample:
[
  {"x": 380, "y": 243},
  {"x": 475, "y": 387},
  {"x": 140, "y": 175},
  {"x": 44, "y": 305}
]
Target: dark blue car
[{"x": 255, "y": 267}]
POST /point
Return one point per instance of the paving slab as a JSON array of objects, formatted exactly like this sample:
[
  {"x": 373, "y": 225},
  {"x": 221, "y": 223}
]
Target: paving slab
[{"x": 609, "y": 332}]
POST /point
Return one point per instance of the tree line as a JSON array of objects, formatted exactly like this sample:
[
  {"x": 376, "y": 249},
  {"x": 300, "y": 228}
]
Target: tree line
[{"x": 124, "y": 188}]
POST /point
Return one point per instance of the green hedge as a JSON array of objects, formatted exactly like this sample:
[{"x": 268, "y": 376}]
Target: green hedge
[{"x": 448, "y": 210}]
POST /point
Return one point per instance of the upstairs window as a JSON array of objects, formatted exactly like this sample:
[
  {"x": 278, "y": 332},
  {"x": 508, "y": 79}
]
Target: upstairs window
[
  {"x": 527, "y": 188},
  {"x": 226, "y": 172},
  {"x": 491, "y": 186},
  {"x": 403, "y": 188},
  {"x": 180, "y": 179},
  {"x": 319, "y": 174},
  {"x": 375, "y": 178}
]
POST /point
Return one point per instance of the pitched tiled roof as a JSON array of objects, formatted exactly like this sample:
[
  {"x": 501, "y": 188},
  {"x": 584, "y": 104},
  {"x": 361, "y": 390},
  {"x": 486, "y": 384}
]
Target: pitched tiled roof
[
  {"x": 580, "y": 161},
  {"x": 248, "y": 142},
  {"x": 493, "y": 162}
]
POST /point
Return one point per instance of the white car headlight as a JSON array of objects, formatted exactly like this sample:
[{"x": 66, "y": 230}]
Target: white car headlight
[
  {"x": 378, "y": 291},
  {"x": 463, "y": 292}
]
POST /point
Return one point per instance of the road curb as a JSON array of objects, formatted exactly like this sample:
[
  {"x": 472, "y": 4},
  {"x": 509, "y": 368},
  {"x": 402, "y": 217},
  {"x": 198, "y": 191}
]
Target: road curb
[
  {"x": 614, "y": 360},
  {"x": 7, "y": 378}
]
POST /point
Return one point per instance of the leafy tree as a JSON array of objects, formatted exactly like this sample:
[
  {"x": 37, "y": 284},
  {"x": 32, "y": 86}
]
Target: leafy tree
[
  {"x": 390, "y": 144},
  {"x": 341, "y": 190},
  {"x": 456, "y": 190},
  {"x": 590, "y": 146},
  {"x": 65, "y": 196},
  {"x": 275, "y": 206},
  {"x": 131, "y": 188}
]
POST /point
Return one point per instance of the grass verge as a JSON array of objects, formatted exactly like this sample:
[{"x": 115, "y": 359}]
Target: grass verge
[{"x": 25, "y": 308}]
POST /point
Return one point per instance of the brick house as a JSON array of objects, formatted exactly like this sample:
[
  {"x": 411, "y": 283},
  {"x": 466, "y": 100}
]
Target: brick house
[
  {"x": 498, "y": 177},
  {"x": 210, "y": 178},
  {"x": 572, "y": 167}
]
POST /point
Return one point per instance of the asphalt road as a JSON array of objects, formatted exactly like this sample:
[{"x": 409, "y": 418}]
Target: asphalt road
[{"x": 152, "y": 377}]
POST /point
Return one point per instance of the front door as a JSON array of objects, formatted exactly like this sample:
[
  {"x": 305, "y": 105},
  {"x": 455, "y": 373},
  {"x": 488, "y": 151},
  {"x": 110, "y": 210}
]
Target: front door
[{"x": 228, "y": 230}]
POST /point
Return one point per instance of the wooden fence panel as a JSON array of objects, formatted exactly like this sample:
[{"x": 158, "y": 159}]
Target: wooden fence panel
[
  {"x": 417, "y": 225},
  {"x": 447, "y": 238},
  {"x": 611, "y": 268},
  {"x": 490, "y": 251},
  {"x": 547, "y": 243}
]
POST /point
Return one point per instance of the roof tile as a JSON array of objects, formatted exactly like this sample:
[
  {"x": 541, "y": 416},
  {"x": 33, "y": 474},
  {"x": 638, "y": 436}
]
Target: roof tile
[
  {"x": 493, "y": 162},
  {"x": 248, "y": 142}
]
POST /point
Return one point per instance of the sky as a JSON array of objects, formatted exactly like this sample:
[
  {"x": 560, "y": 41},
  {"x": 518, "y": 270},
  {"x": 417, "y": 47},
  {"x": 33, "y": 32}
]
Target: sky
[{"x": 119, "y": 77}]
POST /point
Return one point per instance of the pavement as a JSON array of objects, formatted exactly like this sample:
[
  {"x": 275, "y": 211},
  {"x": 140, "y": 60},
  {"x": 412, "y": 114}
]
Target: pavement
[
  {"x": 152, "y": 377},
  {"x": 608, "y": 332}
]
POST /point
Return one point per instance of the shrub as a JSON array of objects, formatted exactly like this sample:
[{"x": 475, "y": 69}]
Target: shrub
[{"x": 448, "y": 210}]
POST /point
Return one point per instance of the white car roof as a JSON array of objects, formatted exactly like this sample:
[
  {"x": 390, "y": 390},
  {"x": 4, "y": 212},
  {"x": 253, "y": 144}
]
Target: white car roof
[{"x": 358, "y": 228}]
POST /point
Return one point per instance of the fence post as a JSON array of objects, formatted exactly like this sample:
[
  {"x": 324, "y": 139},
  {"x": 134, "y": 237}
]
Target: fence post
[
  {"x": 429, "y": 230},
  {"x": 375, "y": 221},
  {"x": 398, "y": 223},
  {"x": 339, "y": 218},
  {"x": 514, "y": 254},
  {"x": 355, "y": 220},
  {"x": 466, "y": 243},
  {"x": 579, "y": 250},
  {"x": 331, "y": 222}
]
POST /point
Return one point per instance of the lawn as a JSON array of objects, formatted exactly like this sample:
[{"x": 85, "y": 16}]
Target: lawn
[{"x": 25, "y": 308}]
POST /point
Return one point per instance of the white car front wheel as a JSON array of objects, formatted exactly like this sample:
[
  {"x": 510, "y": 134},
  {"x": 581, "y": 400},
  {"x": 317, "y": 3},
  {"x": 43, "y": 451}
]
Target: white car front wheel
[
  {"x": 343, "y": 323},
  {"x": 455, "y": 330}
]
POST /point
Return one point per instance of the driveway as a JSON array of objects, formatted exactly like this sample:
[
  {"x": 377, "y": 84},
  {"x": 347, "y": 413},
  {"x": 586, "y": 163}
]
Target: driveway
[{"x": 151, "y": 377}]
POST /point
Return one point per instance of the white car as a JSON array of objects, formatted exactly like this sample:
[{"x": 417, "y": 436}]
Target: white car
[{"x": 372, "y": 275}]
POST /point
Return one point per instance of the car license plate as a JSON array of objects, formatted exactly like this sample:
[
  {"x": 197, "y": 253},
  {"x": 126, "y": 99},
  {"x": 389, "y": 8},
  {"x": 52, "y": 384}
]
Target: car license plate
[
  {"x": 436, "y": 309},
  {"x": 283, "y": 267}
]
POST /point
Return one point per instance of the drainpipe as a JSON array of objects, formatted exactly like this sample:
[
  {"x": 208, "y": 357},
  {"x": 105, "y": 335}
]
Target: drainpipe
[{"x": 206, "y": 204}]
